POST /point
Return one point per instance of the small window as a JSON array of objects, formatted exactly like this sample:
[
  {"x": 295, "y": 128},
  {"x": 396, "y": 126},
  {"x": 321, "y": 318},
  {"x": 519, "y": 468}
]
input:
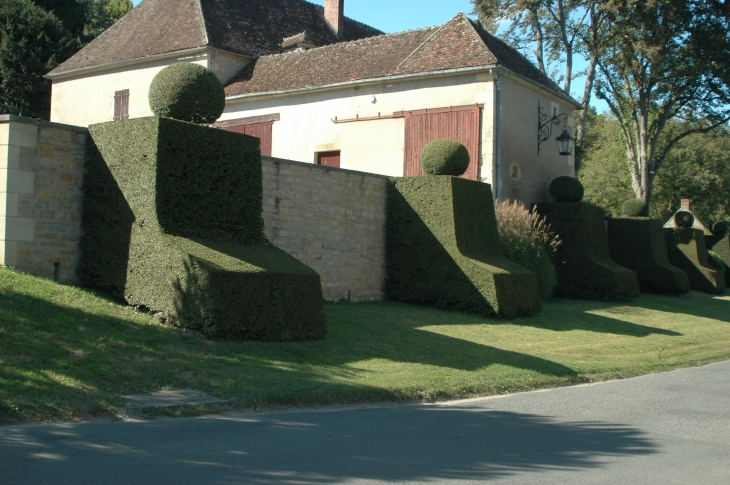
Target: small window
[
  {"x": 121, "y": 105},
  {"x": 329, "y": 159},
  {"x": 515, "y": 172}
]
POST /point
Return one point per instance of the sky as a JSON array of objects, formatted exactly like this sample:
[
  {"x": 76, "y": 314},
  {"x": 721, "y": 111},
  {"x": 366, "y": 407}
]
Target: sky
[{"x": 399, "y": 15}]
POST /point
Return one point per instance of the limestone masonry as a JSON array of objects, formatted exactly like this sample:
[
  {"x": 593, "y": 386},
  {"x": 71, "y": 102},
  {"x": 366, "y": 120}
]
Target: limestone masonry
[{"x": 330, "y": 219}]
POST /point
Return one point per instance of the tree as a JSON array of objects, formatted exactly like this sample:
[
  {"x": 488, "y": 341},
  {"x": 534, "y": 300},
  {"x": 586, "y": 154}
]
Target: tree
[
  {"x": 73, "y": 14},
  {"x": 103, "y": 14},
  {"x": 655, "y": 73},
  {"x": 32, "y": 42}
]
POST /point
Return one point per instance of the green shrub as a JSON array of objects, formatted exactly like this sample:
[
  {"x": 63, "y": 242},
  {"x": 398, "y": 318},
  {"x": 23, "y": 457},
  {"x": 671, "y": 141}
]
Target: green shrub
[
  {"x": 172, "y": 222},
  {"x": 187, "y": 92},
  {"x": 525, "y": 239},
  {"x": 716, "y": 262},
  {"x": 638, "y": 244},
  {"x": 566, "y": 189},
  {"x": 720, "y": 245},
  {"x": 684, "y": 219},
  {"x": 585, "y": 268},
  {"x": 444, "y": 157},
  {"x": 687, "y": 251},
  {"x": 719, "y": 228},
  {"x": 442, "y": 249},
  {"x": 635, "y": 208}
]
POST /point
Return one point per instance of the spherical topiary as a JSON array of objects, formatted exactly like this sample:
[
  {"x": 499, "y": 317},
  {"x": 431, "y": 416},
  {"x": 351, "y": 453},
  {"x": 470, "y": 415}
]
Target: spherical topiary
[
  {"x": 635, "y": 208},
  {"x": 684, "y": 219},
  {"x": 444, "y": 157},
  {"x": 566, "y": 189},
  {"x": 187, "y": 92},
  {"x": 719, "y": 228}
]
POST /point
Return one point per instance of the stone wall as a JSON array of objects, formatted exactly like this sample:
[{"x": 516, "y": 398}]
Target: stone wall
[
  {"x": 41, "y": 172},
  {"x": 332, "y": 220}
]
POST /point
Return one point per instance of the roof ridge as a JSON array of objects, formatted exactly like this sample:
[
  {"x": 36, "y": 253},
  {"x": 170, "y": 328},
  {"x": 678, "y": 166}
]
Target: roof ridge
[{"x": 203, "y": 27}]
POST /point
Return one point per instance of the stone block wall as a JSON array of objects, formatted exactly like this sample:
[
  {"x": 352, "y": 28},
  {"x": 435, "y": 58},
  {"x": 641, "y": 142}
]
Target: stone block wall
[
  {"x": 331, "y": 219},
  {"x": 41, "y": 172}
]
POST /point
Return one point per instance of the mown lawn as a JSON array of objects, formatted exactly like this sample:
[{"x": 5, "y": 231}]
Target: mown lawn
[{"x": 67, "y": 354}]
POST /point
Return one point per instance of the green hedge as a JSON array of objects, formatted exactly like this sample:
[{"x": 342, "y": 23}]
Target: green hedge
[
  {"x": 687, "y": 251},
  {"x": 585, "y": 268},
  {"x": 172, "y": 221},
  {"x": 638, "y": 244},
  {"x": 720, "y": 244},
  {"x": 442, "y": 249}
]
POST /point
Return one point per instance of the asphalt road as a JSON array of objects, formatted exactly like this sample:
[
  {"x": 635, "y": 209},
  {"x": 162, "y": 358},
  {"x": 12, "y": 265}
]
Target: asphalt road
[{"x": 665, "y": 429}]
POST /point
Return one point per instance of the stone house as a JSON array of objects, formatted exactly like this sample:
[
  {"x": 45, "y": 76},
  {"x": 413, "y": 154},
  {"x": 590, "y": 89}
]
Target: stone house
[{"x": 318, "y": 87}]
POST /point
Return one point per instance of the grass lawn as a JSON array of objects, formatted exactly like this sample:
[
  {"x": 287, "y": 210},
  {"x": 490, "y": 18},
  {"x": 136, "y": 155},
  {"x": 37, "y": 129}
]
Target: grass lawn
[{"x": 66, "y": 354}]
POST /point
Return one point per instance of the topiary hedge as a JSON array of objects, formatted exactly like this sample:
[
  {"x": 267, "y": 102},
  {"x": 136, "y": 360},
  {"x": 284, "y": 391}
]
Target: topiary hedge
[
  {"x": 187, "y": 92},
  {"x": 719, "y": 243},
  {"x": 635, "y": 208},
  {"x": 172, "y": 221},
  {"x": 444, "y": 157},
  {"x": 684, "y": 219},
  {"x": 566, "y": 189},
  {"x": 687, "y": 251},
  {"x": 442, "y": 249},
  {"x": 638, "y": 244},
  {"x": 585, "y": 268}
]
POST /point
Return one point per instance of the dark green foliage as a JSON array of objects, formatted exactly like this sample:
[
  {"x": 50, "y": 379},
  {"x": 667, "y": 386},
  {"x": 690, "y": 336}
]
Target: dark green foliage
[
  {"x": 720, "y": 245},
  {"x": 187, "y": 92},
  {"x": 444, "y": 157},
  {"x": 566, "y": 189},
  {"x": 635, "y": 208},
  {"x": 172, "y": 222},
  {"x": 719, "y": 228},
  {"x": 443, "y": 250},
  {"x": 716, "y": 261},
  {"x": 687, "y": 251},
  {"x": 684, "y": 219},
  {"x": 32, "y": 42},
  {"x": 585, "y": 268},
  {"x": 638, "y": 244}
]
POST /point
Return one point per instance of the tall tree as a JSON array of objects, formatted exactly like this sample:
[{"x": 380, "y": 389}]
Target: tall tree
[
  {"x": 102, "y": 14},
  {"x": 656, "y": 71},
  {"x": 32, "y": 42},
  {"x": 73, "y": 14}
]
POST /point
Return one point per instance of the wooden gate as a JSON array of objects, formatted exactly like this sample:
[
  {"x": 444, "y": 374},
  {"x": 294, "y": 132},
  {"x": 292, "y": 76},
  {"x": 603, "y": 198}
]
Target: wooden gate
[
  {"x": 460, "y": 123},
  {"x": 259, "y": 126}
]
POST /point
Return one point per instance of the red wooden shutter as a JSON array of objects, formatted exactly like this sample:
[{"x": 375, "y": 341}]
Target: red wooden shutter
[
  {"x": 121, "y": 105},
  {"x": 462, "y": 124},
  {"x": 329, "y": 159},
  {"x": 262, "y": 131}
]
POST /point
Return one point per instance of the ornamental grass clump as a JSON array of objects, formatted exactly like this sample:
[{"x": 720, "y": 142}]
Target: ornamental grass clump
[{"x": 526, "y": 239}]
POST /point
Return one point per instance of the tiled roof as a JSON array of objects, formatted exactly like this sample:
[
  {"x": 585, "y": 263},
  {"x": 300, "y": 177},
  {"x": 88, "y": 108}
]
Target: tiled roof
[
  {"x": 458, "y": 44},
  {"x": 247, "y": 27},
  {"x": 295, "y": 39}
]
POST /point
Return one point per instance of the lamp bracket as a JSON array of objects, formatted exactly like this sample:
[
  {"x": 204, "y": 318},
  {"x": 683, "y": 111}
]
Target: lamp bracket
[{"x": 545, "y": 125}]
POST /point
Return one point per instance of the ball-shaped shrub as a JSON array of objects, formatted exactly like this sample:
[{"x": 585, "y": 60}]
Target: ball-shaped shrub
[
  {"x": 566, "y": 189},
  {"x": 187, "y": 92},
  {"x": 684, "y": 219},
  {"x": 719, "y": 228},
  {"x": 444, "y": 157},
  {"x": 634, "y": 208}
]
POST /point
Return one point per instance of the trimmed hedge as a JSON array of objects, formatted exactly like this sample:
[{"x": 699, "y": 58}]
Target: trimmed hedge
[
  {"x": 720, "y": 245},
  {"x": 442, "y": 249},
  {"x": 687, "y": 251},
  {"x": 566, "y": 189},
  {"x": 187, "y": 92},
  {"x": 444, "y": 157},
  {"x": 638, "y": 244},
  {"x": 172, "y": 221},
  {"x": 684, "y": 219},
  {"x": 585, "y": 268},
  {"x": 719, "y": 228},
  {"x": 635, "y": 208}
]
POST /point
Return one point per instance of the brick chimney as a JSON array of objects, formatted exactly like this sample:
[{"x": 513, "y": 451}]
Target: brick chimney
[
  {"x": 334, "y": 13},
  {"x": 685, "y": 204}
]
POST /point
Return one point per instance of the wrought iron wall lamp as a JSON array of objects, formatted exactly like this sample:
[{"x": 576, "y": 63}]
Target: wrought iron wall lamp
[{"x": 545, "y": 131}]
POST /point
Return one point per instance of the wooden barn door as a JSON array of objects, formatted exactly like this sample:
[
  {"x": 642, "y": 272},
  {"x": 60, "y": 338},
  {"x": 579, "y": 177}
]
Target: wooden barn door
[
  {"x": 462, "y": 123},
  {"x": 259, "y": 126}
]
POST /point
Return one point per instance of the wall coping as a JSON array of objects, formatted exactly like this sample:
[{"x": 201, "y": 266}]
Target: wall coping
[
  {"x": 321, "y": 167},
  {"x": 37, "y": 122}
]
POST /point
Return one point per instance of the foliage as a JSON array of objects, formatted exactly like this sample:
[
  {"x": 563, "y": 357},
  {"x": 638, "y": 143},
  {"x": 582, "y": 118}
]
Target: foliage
[
  {"x": 172, "y": 222},
  {"x": 720, "y": 245},
  {"x": 102, "y": 14},
  {"x": 187, "y": 92},
  {"x": 32, "y": 42},
  {"x": 639, "y": 244},
  {"x": 698, "y": 168},
  {"x": 444, "y": 157},
  {"x": 719, "y": 228},
  {"x": 716, "y": 262},
  {"x": 582, "y": 260},
  {"x": 684, "y": 219},
  {"x": 566, "y": 189},
  {"x": 86, "y": 19},
  {"x": 525, "y": 239},
  {"x": 687, "y": 251},
  {"x": 442, "y": 249},
  {"x": 635, "y": 208}
]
